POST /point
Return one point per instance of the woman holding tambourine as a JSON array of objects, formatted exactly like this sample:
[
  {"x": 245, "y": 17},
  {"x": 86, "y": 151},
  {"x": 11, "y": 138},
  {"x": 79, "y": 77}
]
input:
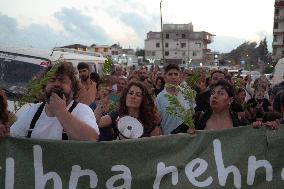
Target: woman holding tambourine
[{"x": 136, "y": 116}]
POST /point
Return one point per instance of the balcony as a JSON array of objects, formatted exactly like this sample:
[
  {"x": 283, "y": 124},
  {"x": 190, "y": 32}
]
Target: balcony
[
  {"x": 277, "y": 44},
  {"x": 278, "y": 18},
  {"x": 278, "y": 31},
  {"x": 206, "y": 50}
]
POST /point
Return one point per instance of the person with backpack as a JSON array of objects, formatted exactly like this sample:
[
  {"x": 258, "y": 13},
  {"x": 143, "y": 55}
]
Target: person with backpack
[{"x": 59, "y": 116}]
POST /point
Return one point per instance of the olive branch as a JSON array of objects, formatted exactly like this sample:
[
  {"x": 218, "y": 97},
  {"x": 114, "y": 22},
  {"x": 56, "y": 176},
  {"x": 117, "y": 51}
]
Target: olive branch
[
  {"x": 106, "y": 68},
  {"x": 237, "y": 84},
  {"x": 34, "y": 90},
  {"x": 175, "y": 108}
]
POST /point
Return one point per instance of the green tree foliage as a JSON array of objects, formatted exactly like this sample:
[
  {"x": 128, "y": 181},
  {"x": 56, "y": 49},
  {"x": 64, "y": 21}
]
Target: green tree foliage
[
  {"x": 140, "y": 52},
  {"x": 263, "y": 51},
  {"x": 245, "y": 51},
  {"x": 107, "y": 67},
  {"x": 176, "y": 109},
  {"x": 250, "y": 53},
  {"x": 268, "y": 69},
  {"x": 34, "y": 91}
]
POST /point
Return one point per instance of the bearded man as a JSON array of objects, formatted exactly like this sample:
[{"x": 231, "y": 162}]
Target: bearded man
[{"x": 59, "y": 116}]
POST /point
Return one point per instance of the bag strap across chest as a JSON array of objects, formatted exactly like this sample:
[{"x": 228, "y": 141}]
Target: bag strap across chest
[{"x": 37, "y": 115}]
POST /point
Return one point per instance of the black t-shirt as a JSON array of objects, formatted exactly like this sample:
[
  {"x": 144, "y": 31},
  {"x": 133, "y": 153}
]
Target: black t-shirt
[
  {"x": 236, "y": 107},
  {"x": 264, "y": 103},
  {"x": 200, "y": 119},
  {"x": 202, "y": 101},
  {"x": 157, "y": 91}
]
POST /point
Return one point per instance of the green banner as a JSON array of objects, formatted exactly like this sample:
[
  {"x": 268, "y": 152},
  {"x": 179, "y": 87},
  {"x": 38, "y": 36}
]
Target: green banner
[{"x": 233, "y": 158}]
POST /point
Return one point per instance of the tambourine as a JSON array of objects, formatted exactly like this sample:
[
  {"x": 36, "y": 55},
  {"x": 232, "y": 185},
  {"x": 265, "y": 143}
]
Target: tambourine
[{"x": 129, "y": 128}]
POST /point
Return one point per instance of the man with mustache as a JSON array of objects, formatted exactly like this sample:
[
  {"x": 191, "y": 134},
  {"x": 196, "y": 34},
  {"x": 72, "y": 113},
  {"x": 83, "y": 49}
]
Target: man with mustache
[
  {"x": 88, "y": 90},
  {"x": 60, "y": 116}
]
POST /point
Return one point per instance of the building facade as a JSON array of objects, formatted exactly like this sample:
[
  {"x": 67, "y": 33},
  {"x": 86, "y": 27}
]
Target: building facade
[
  {"x": 181, "y": 45},
  {"x": 278, "y": 30},
  {"x": 106, "y": 50}
]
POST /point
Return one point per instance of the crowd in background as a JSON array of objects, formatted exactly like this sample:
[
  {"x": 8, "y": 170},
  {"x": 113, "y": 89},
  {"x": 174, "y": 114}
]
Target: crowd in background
[{"x": 222, "y": 101}]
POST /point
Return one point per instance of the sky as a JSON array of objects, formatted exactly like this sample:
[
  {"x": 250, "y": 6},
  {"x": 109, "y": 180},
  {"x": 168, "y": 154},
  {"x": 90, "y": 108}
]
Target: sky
[{"x": 49, "y": 23}]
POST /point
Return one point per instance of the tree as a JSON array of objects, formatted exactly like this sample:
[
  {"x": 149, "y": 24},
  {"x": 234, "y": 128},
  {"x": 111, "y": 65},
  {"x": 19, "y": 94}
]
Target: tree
[
  {"x": 140, "y": 52},
  {"x": 263, "y": 50},
  {"x": 250, "y": 53},
  {"x": 245, "y": 52}
]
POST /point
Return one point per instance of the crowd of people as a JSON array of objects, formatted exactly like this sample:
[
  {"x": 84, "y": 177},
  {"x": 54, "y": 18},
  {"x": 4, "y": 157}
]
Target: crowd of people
[{"x": 79, "y": 105}]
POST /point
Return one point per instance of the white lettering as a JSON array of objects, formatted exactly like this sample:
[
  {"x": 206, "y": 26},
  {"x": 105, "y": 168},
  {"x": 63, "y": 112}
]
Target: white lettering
[
  {"x": 10, "y": 173},
  {"x": 222, "y": 171},
  {"x": 77, "y": 172},
  {"x": 253, "y": 165},
  {"x": 282, "y": 174},
  {"x": 192, "y": 174},
  {"x": 40, "y": 178},
  {"x": 126, "y": 176},
  {"x": 162, "y": 170}
]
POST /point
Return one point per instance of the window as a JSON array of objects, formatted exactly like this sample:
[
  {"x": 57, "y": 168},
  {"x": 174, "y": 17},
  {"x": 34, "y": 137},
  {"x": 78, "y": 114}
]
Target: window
[
  {"x": 167, "y": 53},
  {"x": 194, "y": 53},
  {"x": 276, "y": 11},
  {"x": 96, "y": 49},
  {"x": 157, "y": 45},
  {"x": 175, "y": 53},
  {"x": 182, "y": 45},
  {"x": 282, "y": 52},
  {"x": 167, "y": 36},
  {"x": 105, "y": 49},
  {"x": 198, "y": 44},
  {"x": 148, "y": 53},
  {"x": 275, "y": 38},
  {"x": 183, "y": 36},
  {"x": 166, "y": 45},
  {"x": 153, "y": 53},
  {"x": 283, "y": 40},
  {"x": 183, "y": 53},
  {"x": 12, "y": 69},
  {"x": 275, "y": 25}
]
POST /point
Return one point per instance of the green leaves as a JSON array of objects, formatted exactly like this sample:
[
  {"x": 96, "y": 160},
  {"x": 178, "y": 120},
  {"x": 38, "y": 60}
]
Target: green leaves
[
  {"x": 237, "y": 84},
  {"x": 113, "y": 106},
  {"x": 107, "y": 67},
  {"x": 175, "y": 108},
  {"x": 34, "y": 90}
]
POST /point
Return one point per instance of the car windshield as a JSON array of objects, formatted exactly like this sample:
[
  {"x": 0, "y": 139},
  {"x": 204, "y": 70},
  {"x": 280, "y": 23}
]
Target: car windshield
[{"x": 15, "y": 74}]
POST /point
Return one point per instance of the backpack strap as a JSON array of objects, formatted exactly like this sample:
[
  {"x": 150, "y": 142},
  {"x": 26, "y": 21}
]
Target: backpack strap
[
  {"x": 37, "y": 115},
  {"x": 35, "y": 118},
  {"x": 64, "y": 134}
]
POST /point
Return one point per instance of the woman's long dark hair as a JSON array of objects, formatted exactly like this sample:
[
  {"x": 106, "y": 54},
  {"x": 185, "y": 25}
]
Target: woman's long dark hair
[
  {"x": 147, "y": 107},
  {"x": 4, "y": 114}
]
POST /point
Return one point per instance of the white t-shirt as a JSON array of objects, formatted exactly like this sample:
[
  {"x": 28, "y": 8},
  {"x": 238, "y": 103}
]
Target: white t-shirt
[{"x": 49, "y": 127}]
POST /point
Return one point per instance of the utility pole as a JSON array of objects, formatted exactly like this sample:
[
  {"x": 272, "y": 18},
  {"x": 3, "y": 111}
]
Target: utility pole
[{"x": 162, "y": 34}]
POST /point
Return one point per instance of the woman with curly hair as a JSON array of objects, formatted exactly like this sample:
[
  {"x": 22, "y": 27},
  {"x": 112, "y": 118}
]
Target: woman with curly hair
[
  {"x": 137, "y": 103},
  {"x": 4, "y": 115}
]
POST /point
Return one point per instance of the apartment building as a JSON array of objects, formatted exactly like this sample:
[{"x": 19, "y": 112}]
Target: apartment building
[
  {"x": 278, "y": 30},
  {"x": 106, "y": 50},
  {"x": 181, "y": 45}
]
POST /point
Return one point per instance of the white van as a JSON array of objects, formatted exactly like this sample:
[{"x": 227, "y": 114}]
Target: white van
[{"x": 19, "y": 65}]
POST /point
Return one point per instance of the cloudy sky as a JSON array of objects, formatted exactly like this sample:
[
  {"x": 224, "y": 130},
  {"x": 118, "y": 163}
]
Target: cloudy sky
[{"x": 49, "y": 23}]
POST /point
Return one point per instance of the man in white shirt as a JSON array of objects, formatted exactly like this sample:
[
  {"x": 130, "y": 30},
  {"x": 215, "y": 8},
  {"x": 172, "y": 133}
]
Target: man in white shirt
[
  {"x": 168, "y": 122},
  {"x": 59, "y": 116}
]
